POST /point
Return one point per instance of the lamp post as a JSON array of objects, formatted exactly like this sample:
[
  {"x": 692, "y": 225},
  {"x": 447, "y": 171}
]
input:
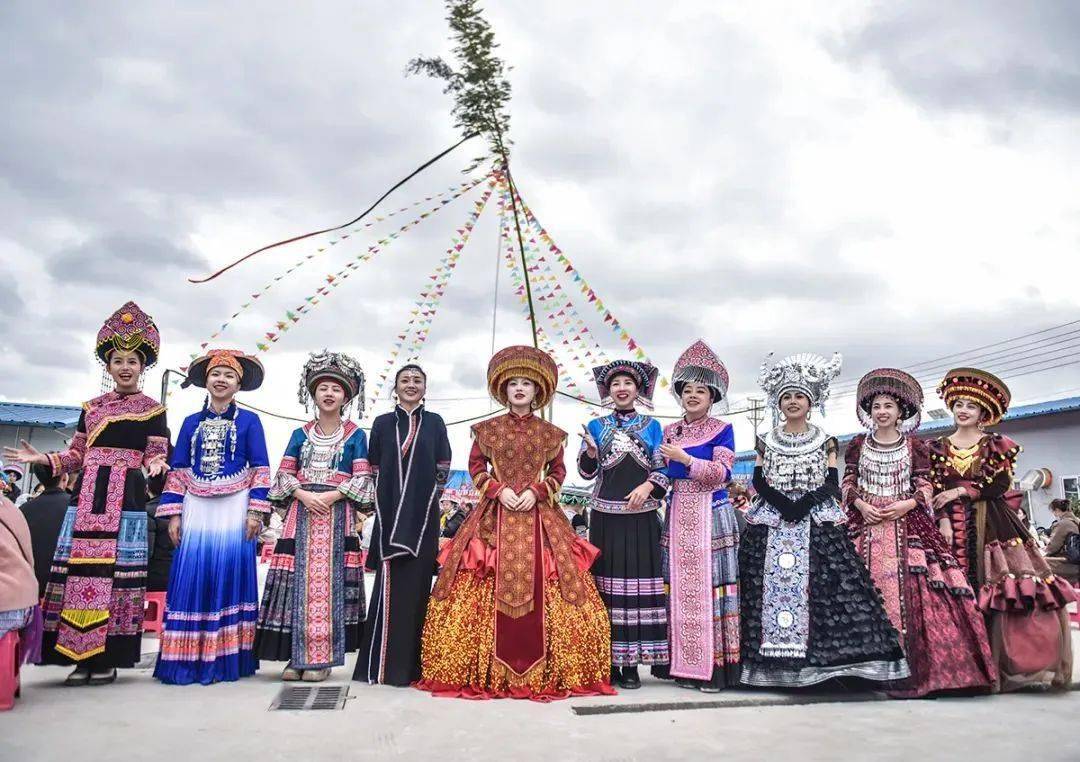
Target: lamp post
[
  {"x": 756, "y": 413},
  {"x": 165, "y": 382}
]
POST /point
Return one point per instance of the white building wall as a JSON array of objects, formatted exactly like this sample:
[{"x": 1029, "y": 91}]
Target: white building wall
[{"x": 1049, "y": 441}]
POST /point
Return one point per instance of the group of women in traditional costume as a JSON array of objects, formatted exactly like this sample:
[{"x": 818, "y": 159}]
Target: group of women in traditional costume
[{"x": 905, "y": 566}]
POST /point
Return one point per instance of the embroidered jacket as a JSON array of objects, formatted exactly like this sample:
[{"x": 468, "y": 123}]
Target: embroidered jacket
[
  {"x": 106, "y": 422},
  {"x": 410, "y": 461},
  {"x": 312, "y": 460},
  {"x": 218, "y": 454},
  {"x": 628, "y": 454},
  {"x": 710, "y": 443}
]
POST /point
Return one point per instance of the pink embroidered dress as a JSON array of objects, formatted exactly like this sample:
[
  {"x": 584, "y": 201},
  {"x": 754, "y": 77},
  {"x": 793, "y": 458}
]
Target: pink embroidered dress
[
  {"x": 700, "y": 550},
  {"x": 94, "y": 598}
]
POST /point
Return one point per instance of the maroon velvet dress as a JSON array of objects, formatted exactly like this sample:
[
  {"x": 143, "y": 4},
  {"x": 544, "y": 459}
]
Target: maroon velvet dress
[
  {"x": 926, "y": 594},
  {"x": 1023, "y": 601}
]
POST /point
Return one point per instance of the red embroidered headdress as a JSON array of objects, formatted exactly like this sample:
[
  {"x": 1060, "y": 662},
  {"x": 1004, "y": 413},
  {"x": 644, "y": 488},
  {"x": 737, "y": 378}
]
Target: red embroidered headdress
[
  {"x": 249, "y": 368},
  {"x": 129, "y": 329},
  {"x": 523, "y": 362},
  {"x": 984, "y": 389},
  {"x": 897, "y": 384}
]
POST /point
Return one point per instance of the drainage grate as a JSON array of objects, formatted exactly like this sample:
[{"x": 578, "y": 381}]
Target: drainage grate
[{"x": 302, "y": 697}]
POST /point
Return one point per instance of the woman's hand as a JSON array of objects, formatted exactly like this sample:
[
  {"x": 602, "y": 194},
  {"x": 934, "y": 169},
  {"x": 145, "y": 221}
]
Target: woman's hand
[
  {"x": 157, "y": 465},
  {"x": 26, "y": 453},
  {"x": 316, "y": 502},
  {"x": 897, "y": 510},
  {"x": 174, "y": 530},
  {"x": 675, "y": 453},
  {"x": 638, "y": 495},
  {"x": 945, "y": 527},
  {"x": 870, "y": 514},
  {"x": 508, "y": 498},
  {"x": 526, "y": 501},
  {"x": 942, "y": 499},
  {"x": 590, "y": 443},
  {"x": 254, "y": 526}
]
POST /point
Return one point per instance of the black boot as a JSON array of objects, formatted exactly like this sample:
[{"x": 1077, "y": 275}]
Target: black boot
[
  {"x": 616, "y": 677},
  {"x": 630, "y": 680}
]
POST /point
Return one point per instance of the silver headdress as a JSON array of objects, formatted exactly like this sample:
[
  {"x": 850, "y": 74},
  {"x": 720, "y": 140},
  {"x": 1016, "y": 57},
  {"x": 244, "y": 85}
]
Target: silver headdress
[
  {"x": 808, "y": 373},
  {"x": 336, "y": 366}
]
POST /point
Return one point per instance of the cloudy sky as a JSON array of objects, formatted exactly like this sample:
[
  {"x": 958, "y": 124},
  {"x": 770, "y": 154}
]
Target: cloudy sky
[{"x": 886, "y": 180}]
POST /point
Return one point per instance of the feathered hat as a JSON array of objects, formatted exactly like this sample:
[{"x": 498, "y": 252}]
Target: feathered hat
[
  {"x": 806, "y": 372},
  {"x": 901, "y": 386}
]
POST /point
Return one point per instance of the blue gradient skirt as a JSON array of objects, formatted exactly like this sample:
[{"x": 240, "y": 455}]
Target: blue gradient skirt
[{"x": 213, "y": 599}]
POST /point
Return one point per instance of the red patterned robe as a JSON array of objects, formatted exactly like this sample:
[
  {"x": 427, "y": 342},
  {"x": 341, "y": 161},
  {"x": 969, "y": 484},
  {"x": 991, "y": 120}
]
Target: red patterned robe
[
  {"x": 1023, "y": 601},
  {"x": 514, "y": 612},
  {"x": 926, "y": 594}
]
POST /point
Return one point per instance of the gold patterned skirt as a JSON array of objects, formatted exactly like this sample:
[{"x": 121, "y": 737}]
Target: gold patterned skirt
[{"x": 458, "y": 649}]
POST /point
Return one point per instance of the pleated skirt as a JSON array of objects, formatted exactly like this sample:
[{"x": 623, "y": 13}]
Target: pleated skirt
[
  {"x": 212, "y": 602},
  {"x": 629, "y": 577}
]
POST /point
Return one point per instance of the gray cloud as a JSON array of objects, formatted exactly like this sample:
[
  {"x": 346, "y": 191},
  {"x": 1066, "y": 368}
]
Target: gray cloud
[
  {"x": 995, "y": 56},
  {"x": 137, "y": 261},
  {"x": 665, "y": 151}
]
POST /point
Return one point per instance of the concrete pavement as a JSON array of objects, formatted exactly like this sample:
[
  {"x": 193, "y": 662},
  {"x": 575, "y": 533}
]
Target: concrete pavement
[{"x": 138, "y": 718}]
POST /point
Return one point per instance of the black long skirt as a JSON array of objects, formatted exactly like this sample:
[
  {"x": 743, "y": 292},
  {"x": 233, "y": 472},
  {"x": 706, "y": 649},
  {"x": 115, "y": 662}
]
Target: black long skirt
[
  {"x": 629, "y": 576},
  {"x": 390, "y": 646},
  {"x": 850, "y": 632}
]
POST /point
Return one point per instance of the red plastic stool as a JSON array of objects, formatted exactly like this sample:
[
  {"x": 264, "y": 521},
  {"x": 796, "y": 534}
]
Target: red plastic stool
[
  {"x": 153, "y": 612},
  {"x": 266, "y": 553},
  {"x": 9, "y": 670}
]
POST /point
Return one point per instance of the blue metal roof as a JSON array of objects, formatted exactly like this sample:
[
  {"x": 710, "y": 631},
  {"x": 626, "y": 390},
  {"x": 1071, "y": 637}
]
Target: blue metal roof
[
  {"x": 1050, "y": 407},
  {"x": 459, "y": 479},
  {"x": 42, "y": 416}
]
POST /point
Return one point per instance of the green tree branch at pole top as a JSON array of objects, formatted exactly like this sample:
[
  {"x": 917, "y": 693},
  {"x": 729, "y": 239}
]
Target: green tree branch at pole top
[{"x": 481, "y": 100}]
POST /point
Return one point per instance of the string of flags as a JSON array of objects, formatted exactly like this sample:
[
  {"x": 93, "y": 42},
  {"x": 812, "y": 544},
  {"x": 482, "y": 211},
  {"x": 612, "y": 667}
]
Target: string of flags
[
  {"x": 411, "y": 339},
  {"x": 444, "y": 197},
  {"x": 562, "y": 331},
  {"x": 334, "y": 280},
  {"x": 607, "y": 316},
  {"x": 541, "y": 292}
]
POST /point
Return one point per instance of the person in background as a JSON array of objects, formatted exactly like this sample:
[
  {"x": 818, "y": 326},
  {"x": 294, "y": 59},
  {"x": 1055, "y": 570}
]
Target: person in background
[
  {"x": 12, "y": 477},
  {"x": 454, "y": 519},
  {"x": 19, "y": 609},
  {"x": 45, "y": 515},
  {"x": 1065, "y": 524},
  {"x": 158, "y": 542}
]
